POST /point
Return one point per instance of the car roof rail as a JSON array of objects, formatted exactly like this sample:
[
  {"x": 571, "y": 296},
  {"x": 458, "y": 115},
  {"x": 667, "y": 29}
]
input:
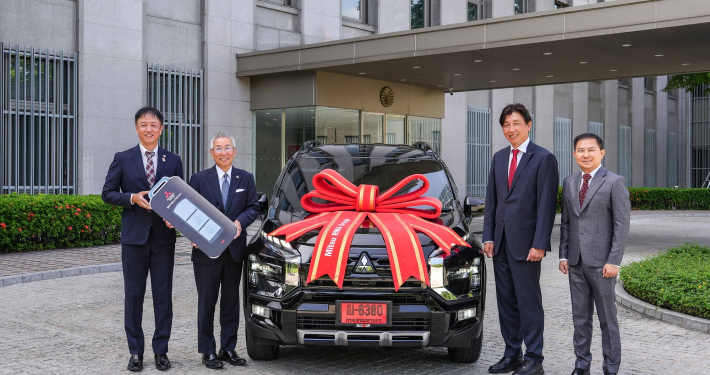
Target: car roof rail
[
  {"x": 423, "y": 146},
  {"x": 308, "y": 145}
]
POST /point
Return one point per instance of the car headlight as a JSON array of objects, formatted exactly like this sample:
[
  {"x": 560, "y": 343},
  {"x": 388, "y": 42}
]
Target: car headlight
[
  {"x": 274, "y": 276},
  {"x": 276, "y": 241},
  {"x": 457, "y": 282}
]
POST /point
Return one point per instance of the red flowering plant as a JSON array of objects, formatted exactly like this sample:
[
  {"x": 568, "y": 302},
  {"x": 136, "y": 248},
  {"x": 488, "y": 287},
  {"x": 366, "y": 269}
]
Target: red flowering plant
[{"x": 39, "y": 222}]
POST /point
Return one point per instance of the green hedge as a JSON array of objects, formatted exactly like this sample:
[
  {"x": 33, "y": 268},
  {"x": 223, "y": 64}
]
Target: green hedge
[
  {"x": 40, "y": 222},
  {"x": 663, "y": 199},
  {"x": 678, "y": 280}
]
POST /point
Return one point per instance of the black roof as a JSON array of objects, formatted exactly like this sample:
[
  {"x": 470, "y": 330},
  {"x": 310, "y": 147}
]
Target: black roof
[{"x": 377, "y": 150}]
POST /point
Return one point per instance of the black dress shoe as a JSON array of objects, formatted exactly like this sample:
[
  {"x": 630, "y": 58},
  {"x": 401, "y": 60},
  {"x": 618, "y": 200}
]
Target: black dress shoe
[
  {"x": 231, "y": 357},
  {"x": 506, "y": 364},
  {"x": 609, "y": 373},
  {"x": 530, "y": 368},
  {"x": 579, "y": 371},
  {"x": 162, "y": 362},
  {"x": 212, "y": 362},
  {"x": 136, "y": 362}
]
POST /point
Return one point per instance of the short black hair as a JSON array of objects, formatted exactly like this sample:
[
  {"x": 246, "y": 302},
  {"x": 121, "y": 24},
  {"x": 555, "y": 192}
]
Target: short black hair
[
  {"x": 151, "y": 112},
  {"x": 517, "y": 107},
  {"x": 600, "y": 142}
]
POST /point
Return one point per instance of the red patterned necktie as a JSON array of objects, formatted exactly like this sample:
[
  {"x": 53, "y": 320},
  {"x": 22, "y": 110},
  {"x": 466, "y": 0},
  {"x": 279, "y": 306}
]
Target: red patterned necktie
[
  {"x": 513, "y": 166},
  {"x": 150, "y": 168},
  {"x": 585, "y": 187}
]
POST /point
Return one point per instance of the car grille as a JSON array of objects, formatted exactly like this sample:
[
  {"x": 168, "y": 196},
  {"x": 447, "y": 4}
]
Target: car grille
[
  {"x": 327, "y": 322},
  {"x": 381, "y": 279}
]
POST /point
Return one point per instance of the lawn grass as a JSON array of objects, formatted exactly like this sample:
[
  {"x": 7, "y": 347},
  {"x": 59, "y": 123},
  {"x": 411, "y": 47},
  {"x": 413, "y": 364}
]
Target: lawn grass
[{"x": 678, "y": 280}]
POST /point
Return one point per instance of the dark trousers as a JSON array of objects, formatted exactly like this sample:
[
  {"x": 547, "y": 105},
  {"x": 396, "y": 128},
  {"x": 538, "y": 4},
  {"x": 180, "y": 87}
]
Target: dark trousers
[
  {"x": 138, "y": 261},
  {"x": 589, "y": 288},
  {"x": 208, "y": 278},
  {"x": 520, "y": 312}
]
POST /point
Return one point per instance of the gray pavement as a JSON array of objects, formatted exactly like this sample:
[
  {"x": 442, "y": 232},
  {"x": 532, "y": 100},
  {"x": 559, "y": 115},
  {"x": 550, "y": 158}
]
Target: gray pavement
[{"x": 74, "y": 326}]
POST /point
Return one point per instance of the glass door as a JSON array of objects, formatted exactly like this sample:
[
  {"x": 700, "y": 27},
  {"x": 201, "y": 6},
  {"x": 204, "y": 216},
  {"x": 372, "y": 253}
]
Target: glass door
[
  {"x": 395, "y": 130},
  {"x": 267, "y": 153},
  {"x": 372, "y": 127}
]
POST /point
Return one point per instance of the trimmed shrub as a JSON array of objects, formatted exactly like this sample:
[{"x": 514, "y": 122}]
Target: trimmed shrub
[
  {"x": 643, "y": 198},
  {"x": 678, "y": 280},
  {"x": 40, "y": 222}
]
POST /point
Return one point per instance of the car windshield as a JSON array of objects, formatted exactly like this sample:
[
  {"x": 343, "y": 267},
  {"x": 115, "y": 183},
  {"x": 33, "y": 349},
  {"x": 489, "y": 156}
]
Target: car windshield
[{"x": 382, "y": 172}]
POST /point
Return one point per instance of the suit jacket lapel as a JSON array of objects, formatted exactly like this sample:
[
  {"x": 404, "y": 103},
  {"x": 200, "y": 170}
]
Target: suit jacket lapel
[
  {"x": 597, "y": 182},
  {"x": 138, "y": 159},
  {"x": 502, "y": 170},
  {"x": 521, "y": 166},
  {"x": 161, "y": 163},
  {"x": 213, "y": 180},
  {"x": 575, "y": 192},
  {"x": 233, "y": 186}
]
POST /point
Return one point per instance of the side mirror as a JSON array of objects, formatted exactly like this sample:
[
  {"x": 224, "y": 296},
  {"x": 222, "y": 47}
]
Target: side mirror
[
  {"x": 474, "y": 206},
  {"x": 263, "y": 204}
]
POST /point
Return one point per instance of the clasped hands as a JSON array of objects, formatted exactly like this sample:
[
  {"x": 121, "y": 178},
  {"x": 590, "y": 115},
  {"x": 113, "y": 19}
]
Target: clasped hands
[
  {"x": 534, "y": 255},
  {"x": 236, "y": 224},
  {"x": 609, "y": 270}
]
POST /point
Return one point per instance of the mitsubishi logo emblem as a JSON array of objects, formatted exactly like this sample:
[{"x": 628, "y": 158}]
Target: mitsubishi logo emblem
[{"x": 364, "y": 265}]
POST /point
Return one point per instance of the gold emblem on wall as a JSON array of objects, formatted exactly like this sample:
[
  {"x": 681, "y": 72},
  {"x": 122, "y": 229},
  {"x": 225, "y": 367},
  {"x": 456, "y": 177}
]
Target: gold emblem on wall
[{"x": 386, "y": 96}]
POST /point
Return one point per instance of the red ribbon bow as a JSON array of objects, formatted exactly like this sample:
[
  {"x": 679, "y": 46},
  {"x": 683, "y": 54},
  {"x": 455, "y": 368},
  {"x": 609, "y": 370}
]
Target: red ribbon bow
[{"x": 393, "y": 215}]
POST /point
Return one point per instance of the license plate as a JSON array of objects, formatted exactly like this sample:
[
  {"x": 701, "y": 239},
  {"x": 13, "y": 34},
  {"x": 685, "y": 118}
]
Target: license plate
[{"x": 364, "y": 314}]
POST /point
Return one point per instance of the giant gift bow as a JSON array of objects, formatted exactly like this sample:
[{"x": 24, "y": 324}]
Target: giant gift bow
[{"x": 392, "y": 215}]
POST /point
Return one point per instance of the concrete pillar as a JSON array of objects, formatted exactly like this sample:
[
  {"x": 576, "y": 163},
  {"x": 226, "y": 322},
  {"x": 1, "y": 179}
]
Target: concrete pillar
[
  {"x": 580, "y": 113},
  {"x": 112, "y": 82},
  {"x": 542, "y": 5},
  {"x": 393, "y": 15},
  {"x": 661, "y": 132},
  {"x": 454, "y": 124},
  {"x": 611, "y": 125},
  {"x": 502, "y": 8},
  {"x": 320, "y": 20},
  {"x": 544, "y": 117},
  {"x": 499, "y": 99},
  {"x": 684, "y": 162},
  {"x": 228, "y": 30},
  {"x": 637, "y": 131}
]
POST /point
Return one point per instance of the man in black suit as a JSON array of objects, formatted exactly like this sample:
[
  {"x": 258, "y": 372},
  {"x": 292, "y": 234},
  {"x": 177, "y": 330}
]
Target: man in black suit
[
  {"x": 147, "y": 246},
  {"x": 521, "y": 200},
  {"x": 233, "y": 192}
]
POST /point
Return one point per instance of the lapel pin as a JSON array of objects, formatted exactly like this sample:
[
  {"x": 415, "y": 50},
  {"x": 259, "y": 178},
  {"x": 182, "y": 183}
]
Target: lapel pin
[
  {"x": 237, "y": 176},
  {"x": 163, "y": 158}
]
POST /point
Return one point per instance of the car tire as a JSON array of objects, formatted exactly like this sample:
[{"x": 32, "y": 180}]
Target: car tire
[
  {"x": 468, "y": 354},
  {"x": 260, "y": 352}
]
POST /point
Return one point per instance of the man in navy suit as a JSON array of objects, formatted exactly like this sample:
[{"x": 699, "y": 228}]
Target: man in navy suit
[
  {"x": 233, "y": 192},
  {"x": 521, "y": 200},
  {"x": 147, "y": 246}
]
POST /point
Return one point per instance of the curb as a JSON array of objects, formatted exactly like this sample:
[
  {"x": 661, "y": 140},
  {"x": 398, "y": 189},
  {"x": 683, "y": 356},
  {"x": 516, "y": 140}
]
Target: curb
[
  {"x": 651, "y": 216},
  {"x": 688, "y": 322},
  {"x": 64, "y": 272}
]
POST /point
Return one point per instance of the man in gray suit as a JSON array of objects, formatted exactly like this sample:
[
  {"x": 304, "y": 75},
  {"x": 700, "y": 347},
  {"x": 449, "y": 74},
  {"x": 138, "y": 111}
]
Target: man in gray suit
[{"x": 595, "y": 223}]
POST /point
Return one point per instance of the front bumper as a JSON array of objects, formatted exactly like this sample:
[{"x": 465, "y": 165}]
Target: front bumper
[{"x": 419, "y": 318}]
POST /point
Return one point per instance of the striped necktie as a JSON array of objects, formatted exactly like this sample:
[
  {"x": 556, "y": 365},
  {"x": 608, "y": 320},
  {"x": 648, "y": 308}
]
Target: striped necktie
[
  {"x": 225, "y": 189},
  {"x": 150, "y": 168}
]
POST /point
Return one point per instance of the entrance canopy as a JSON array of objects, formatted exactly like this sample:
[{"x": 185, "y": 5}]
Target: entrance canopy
[{"x": 624, "y": 38}]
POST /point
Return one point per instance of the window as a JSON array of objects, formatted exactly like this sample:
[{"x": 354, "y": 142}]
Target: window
[
  {"x": 523, "y": 6},
  {"x": 561, "y": 4},
  {"x": 649, "y": 158},
  {"x": 423, "y": 13},
  {"x": 478, "y": 151},
  {"x": 563, "y": 146},
  {"x": 38, "y": 128},
  {"x": 177, "y": 93},
  {"x": 372, "y": 126},
  {"x": 425, "y": 129},
  {"x": 475, "y": 10},
  {"x": 355, "y": 10},
  {"x": 625, "y": 153},
  {"x": 288, "y": 3}
]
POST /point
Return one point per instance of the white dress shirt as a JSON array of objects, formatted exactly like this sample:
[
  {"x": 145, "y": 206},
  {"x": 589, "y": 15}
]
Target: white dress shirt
[
  {"x": 145, "y": 162},
  {"x": 592, "y": 173},
  {"x": 220, "y": 174}
]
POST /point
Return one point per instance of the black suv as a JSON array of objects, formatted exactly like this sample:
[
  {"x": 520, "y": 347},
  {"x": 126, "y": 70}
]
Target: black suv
[{"x": 280, "y": 308}]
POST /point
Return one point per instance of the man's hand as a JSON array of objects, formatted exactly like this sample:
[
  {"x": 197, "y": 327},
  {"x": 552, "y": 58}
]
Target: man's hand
[
  {"x": 535, "y": 254},
  {"x": 138, "y": 199},
  {"x": 489, "y": 248},
  {"x": 610, "y": 270},
  {"x": 167, "y": 224},
  {"x": 239, "y": 228},
  {"x": 193, "y": 245},
  {"x": 564, "y": 267}
]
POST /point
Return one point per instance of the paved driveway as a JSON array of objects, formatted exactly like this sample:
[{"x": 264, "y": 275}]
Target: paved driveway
[{"x": 74, "y": 325}]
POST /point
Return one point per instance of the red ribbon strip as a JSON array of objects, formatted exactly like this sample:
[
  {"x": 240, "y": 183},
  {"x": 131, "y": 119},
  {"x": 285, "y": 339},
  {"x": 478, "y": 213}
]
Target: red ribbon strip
[{"x": 392, "y": 215}]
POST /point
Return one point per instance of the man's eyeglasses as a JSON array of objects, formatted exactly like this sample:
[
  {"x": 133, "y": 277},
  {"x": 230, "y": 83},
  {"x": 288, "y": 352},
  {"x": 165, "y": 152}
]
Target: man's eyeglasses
[{"x": 219, "y": 149}]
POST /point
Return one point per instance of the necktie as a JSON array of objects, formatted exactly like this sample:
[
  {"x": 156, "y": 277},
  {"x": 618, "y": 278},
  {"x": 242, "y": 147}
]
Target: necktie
[
  {"x": 513, "y": 166},
  {"x": 585, "y": 187},
  {"x": 225, "y": 189},
  {"x": 150, "y": 168}
]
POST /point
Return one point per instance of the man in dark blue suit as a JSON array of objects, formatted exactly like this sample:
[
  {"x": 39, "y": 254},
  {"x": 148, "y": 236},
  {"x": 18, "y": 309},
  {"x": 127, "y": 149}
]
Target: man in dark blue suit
[
  {"x": 233, "y": 192},
  {"x": 147, "y": 245},
  {"x": 521, "y": 200}
]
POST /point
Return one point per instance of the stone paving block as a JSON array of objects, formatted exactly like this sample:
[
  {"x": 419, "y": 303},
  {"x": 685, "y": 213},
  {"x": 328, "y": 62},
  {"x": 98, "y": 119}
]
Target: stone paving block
[
  {"x": 110, "y": 267},
  {"x": 12, "y": 280},
  {"x": 74, "y": 271},
  {"x": 673, "y": 318},
  {"x": 655, "y": 313},
  {"x": 30, "y": 277},
  {"x": 54, "y": 274},
  {"x": 698, "y": 325},
  {"x": 88, "y": 270}
]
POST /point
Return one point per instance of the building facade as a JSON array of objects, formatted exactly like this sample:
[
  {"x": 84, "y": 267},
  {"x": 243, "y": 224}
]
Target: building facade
[{"x": 73, "y": 73}]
